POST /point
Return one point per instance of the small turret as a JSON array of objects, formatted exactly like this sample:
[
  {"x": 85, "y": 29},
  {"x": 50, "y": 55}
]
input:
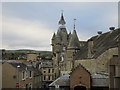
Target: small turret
[
  {"x": 53, "y": 39},
  {"x": 53, "y": 36},
  {"x": 74, "y": 41}
]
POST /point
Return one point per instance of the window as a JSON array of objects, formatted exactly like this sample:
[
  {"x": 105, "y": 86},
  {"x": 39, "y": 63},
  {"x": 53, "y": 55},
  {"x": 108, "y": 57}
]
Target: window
[
  {"x": 23, "y": 75},
  {"x": 49, "y": 77},
  {"x": 30, "y": 86},
  {"x": 44, "y": 78},
  {"x": 52, "y": 70},
  {"x": 48, "y": 70},
  {"x": 30, "y": 74},
  {"x": 39, "y": 66}
]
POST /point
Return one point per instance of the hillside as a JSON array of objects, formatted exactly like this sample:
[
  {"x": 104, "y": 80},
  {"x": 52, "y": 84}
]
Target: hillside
[{"x": 28, "y": 50}]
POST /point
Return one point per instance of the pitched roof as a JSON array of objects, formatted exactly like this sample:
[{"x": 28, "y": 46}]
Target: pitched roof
[
  {"x": 61, "y": 81},
  {"x": 100, "y": 79},
  {"x": 74, "y": 41},
  {"x": 22, "y": 66},
  {"x": 53, "y": 36},
  {"x": 99, "y": 75},
  {"x": 47, "y": 64},
  {"x": 101, "y": 43},
  {"x": 79, "y": 66}
]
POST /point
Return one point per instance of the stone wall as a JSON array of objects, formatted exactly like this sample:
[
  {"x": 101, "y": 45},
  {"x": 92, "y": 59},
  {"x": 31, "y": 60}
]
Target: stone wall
[
  {"x": 31, "y": 57},
  {"x": 7, "y": 80},
  {"x": 99, "y": 64},
  {"x": 103, "y": 60},
  {"x": 10, "y": 74},
  {"x": 89, "y": 64}
]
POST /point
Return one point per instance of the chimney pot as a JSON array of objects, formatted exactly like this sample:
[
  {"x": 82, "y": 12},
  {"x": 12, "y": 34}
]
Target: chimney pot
[
  {"x": 112, "y": 28},
  {"x": 99, "y": 32}
]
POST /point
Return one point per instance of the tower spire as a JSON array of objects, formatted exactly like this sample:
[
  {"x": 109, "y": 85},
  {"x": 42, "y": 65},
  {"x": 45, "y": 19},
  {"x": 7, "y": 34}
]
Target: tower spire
[
  {"x": 62, "y": 12},
  {"x": 74, "y": 23},
  {"x": 62, "y": 21}
]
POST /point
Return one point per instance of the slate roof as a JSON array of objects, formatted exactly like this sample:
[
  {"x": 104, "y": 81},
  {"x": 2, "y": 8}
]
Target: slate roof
[
  {"x": 53, "y": 36},
  {"x": 22, "y": 66},
  {"x": 61, "y": 81},
  {"x": 47, "y": 64},
  {"x": 74, "y": 41},
  {"x": 100, "y": 79},
  {"x": 101, "y": 43},
  {"x": 34, "y": 66},
  {"x": 99, "y": 75},
  {"x": 62, "y": 21},
  {"x": 25, "y": 66}
]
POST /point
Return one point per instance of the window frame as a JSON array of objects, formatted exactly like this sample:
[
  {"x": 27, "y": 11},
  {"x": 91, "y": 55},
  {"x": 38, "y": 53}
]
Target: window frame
[
  {"x": 30, "y": 74},
  {"x": 23, "y": 75}
]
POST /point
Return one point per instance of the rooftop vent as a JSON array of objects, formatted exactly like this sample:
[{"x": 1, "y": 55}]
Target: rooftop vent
[
  {"x": 99, "y": 32},
  {"x": 112, "y": 28}
]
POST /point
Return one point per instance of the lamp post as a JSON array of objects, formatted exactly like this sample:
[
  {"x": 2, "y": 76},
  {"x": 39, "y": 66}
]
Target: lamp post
[{"x": 18, "y": 84}]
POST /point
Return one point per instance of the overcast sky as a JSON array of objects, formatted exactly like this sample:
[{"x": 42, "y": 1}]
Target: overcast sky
[{"x": 30, "y": 25}]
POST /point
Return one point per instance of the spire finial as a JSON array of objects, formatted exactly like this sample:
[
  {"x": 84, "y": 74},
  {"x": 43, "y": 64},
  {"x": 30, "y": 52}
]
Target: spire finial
[
  {"x": 74, "y": 23},
  {"x": 62, "y": 21},
  {"x": 62, "y": 11}
]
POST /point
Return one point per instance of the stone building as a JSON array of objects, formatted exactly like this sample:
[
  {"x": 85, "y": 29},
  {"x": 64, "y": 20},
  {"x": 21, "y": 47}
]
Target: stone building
[
  {"x": 114, "y": 70},
  {"x": 38, "y": 63},
  {"x": 64, "y": 47},
  {"x": 19, "y": 75},
  {"x": 80, "y": 78},
  {"x": 32, "y": 56},
  {"x": 98, "y": 51},
  {"x": 93, "y": 55},
  {"x": 48, "y": 73},
  {"x": 13, "y": 56}
]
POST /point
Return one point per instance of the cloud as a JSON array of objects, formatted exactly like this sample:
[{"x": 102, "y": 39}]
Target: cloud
[
  {"x": 32, "y": 25},
  {"x": 19, "y": 32},
  {"x": 60, "y": 1}
]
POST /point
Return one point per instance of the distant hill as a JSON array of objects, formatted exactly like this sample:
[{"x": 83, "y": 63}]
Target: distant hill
[{"x": 27, "y": 51}]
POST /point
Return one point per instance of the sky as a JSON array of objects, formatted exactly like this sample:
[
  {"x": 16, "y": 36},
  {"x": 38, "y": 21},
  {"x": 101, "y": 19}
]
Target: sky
[{"x": 30, "y": 25}]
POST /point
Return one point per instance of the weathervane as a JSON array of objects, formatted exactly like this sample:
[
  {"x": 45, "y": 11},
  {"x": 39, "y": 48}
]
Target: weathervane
[
  {"x": 62, "y": 11},
  {"x": 74, "y": 23}
]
